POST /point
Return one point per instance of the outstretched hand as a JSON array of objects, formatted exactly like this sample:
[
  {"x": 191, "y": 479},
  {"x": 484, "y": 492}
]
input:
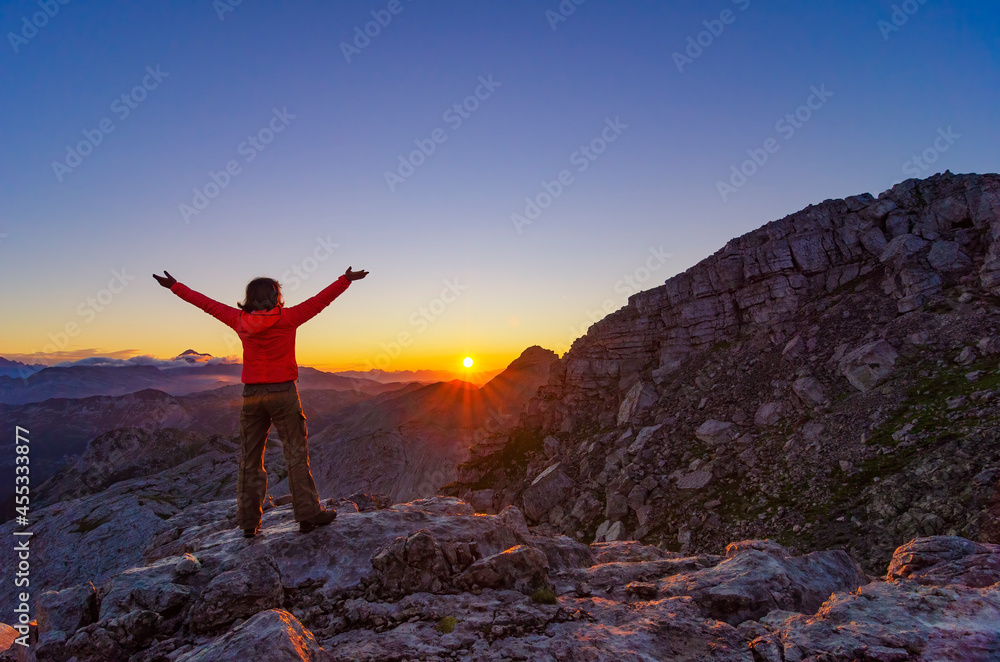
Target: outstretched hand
[
  {"x": 351, "y": 275},
  {"x": 165, "y": 282}
]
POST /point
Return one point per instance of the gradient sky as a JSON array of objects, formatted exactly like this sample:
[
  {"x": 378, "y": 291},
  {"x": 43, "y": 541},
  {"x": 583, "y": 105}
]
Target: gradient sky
[{"x": 323, "y": 176}]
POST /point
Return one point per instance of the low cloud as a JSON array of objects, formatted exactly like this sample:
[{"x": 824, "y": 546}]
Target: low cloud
[
  {"x": 124, "y": 357},
  {"x": 145, "y": 359}
]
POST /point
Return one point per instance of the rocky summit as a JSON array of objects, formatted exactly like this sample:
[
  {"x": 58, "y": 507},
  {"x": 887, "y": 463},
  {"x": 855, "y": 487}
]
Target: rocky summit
[
  {"x": 829, "y": 380},
  {"x": 787, "y": 453},
  {"x": 433, "y": 580}
]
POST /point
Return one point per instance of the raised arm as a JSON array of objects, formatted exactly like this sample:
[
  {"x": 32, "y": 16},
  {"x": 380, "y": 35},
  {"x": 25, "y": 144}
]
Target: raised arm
[
  {"x": 308, "y": 309},
  {"x": 225, "y": 314}
]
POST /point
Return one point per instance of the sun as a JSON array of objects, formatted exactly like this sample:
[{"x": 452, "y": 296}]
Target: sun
[{"x": 467, "y": 361}]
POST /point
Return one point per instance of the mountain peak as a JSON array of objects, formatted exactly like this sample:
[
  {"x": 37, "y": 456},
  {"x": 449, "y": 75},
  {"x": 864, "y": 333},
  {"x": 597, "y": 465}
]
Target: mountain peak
[
  {"x": 841, "y": 349},
  {"x": 536, "y": 353},
  {"x": 191, "y": 352}
]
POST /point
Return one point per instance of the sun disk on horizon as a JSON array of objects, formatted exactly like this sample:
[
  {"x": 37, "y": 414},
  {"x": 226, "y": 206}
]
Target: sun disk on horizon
[{"x": 467, "y": 361}]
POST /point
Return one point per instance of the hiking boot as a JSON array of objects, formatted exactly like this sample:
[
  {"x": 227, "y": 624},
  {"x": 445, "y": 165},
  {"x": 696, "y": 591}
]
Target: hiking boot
[
  {"x": 323, "y": 518},
  {"x": 250, "y": 533}
]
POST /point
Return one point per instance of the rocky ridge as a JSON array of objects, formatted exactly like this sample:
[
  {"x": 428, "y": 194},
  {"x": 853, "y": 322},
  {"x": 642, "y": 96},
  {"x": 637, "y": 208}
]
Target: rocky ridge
[
  {"x": 432, "y": 580},
  {"x": 828, "y": 380}
]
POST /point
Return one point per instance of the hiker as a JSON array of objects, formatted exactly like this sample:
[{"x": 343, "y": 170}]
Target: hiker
[{"x": 267, "y": 329}]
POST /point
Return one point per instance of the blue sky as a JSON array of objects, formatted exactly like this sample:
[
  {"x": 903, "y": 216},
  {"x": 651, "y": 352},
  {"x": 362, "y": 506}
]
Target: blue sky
[{"x": 321, "y": 179}]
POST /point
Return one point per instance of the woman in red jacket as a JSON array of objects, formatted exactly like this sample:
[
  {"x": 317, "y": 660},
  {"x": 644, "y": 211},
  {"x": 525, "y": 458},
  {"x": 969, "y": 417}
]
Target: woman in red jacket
[{"x": 267, "y": 329}]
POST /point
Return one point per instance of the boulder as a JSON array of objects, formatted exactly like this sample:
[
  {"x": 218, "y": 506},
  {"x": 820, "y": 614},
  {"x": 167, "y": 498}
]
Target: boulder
[
  {"x": 367, "y": 502},
  {"x": 150, "y": 587},
  {"x": 810, "y": 391},
  {"x": 7, "y": 636},
  {"x": 694, "y": 480},
  {"x": 768, "y": 413},
  {"x": 902, "y": 246},
  {"x": 966, "y": 357},
  {"x": 615, "y": 531},
  {"x": 253, "y": 586},
  {"x": 67, "y": 610},
  {"x": 417, "y": 563},
  {"x": 869, "y": 365},
  {"x": 714, "y": 432},
  {"x": 273, "y": 635},
  {"x": 912, "y": 286},
  {"x": 135, "y": 630},
  {"x": 795, "y": 348},
  {"x": 617, "y": 506},
  {"x": 760, "y": 577},
  {"x": 946, "y": 560},
  {"x": 563, "y": 552},
  {"x": 521, "y": 568},
  {"x": 548, "y": 490},
  {"x": 482, "y": 500},
  {"x": 513, "y": 518},
  {"x": 989, "y": 345},
  {"x": 637, "y": 497},
  {"x": 639, "y": 400},
  {"x": 645, "y": 434},
  {"x": 897, "y": 622},
  {"x": 586, "y": 507},
  {"x": 97, "y": 645},
  {"x": 948, "y": 256}
]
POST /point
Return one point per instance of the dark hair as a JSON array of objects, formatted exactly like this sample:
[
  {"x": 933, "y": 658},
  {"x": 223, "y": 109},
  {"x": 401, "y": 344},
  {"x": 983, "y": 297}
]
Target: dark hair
[{"x": 262, "y": 294}]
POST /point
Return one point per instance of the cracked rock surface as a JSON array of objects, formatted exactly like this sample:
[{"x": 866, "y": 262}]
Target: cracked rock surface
[{"x": 433, "y": 580}]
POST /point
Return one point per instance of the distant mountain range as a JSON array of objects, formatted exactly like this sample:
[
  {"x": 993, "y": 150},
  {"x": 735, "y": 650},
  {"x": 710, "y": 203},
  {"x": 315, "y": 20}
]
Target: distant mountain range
[
  {"x": 188, "y": 372},
  {"x": 183, "y": 375},
  {"x": 17, "y": 369},
  {"x": 408, "y": 443},
  {"x": 401, "y": 439},
  {"x": 423, "y": 376}
]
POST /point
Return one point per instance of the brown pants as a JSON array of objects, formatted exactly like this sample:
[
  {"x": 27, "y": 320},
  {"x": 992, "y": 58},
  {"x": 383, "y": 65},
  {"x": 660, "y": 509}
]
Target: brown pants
[{"x": 262, "y": 404}]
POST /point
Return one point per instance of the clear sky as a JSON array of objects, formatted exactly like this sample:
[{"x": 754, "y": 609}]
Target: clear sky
[{"x": 119, "y": 116}]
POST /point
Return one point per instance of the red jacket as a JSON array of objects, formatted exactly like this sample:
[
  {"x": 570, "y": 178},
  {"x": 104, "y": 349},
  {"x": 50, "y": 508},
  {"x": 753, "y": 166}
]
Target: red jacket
[{"x": 268, "y": 335}]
